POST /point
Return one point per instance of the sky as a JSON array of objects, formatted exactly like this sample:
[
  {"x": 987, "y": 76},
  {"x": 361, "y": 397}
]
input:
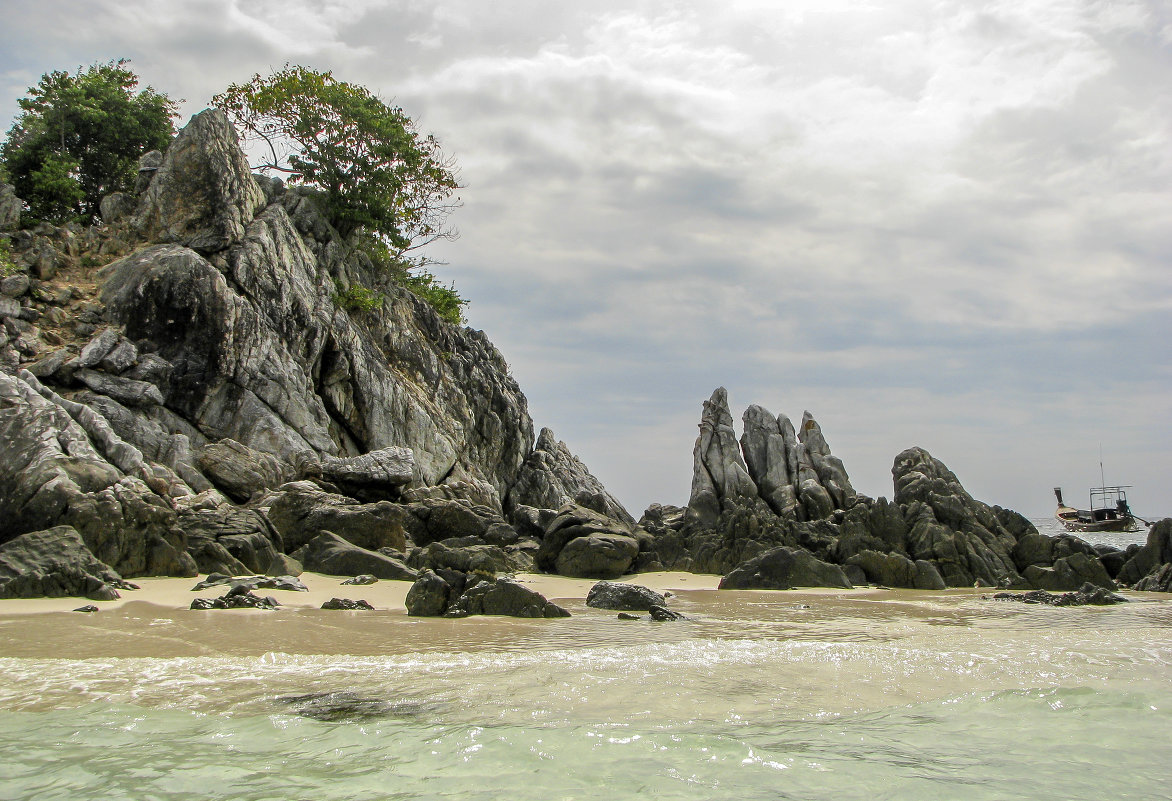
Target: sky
[{"x": 943, "y": 224}]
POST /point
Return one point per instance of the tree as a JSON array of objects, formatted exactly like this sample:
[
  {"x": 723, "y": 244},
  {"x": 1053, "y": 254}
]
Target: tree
[
  {"x": 376, "y": 171},
  {"x": 79, "y": 138}
]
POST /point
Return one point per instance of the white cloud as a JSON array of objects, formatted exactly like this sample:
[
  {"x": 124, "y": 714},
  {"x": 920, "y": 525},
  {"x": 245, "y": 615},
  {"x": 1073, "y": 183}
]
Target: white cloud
[{"x": 920, "y": 220}]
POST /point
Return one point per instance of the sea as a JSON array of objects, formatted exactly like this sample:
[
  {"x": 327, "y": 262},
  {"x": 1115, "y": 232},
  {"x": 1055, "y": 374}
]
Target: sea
[{"x": 879, "y": 694}]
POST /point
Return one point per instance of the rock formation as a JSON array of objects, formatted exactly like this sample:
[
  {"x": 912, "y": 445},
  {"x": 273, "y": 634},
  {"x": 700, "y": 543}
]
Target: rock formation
[
  {"x": 203, "y": 401},
  {"x": 783, "y": 496}
]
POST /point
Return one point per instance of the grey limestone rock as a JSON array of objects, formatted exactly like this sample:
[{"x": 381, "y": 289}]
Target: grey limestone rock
[
  {"x": 203, "y": 195},
  {"x": 379, "y": 473},
  {"x": 503, "y": 596},
  {"x": 301, "y": 511},
  {"x": 783, "y": 569},
  {"x": 429, "y": 596},
  {"x": 1151, "y": 558},
  {"x": 552, "y": 476},
  {"x": 347, "y": 605},
  {"x": 285, "y": 565},
  {"x": 896, "y": 570},
  {"x": 719, "y": 475},
  {"x": 330, "y": 554},
  {"x": 52, "y": 474},
  {"x": 117, "y": 206},
  {"x": 608, "y": 551},
  {"x": 949, "y": 527},
  {"x": 768, "y": 453},
  {"x": 600, "y": 555},
  {"x": 10, "y": 206},
  {"x": 239, "y": 471},
  {"x": 54, "y": 563},
  {"x": 617, "y": 595}
]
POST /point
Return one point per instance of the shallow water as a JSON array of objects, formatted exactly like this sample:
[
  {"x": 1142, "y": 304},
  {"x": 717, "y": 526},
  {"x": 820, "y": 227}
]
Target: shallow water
[{"x": 898, "y": 695}]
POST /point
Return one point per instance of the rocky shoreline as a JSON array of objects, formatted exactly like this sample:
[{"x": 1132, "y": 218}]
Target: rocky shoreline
[{"x": 182, "y": 393}]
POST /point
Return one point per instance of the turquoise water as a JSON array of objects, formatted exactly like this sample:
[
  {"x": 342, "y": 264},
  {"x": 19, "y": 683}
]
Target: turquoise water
[{"x": 899, "y": 696}]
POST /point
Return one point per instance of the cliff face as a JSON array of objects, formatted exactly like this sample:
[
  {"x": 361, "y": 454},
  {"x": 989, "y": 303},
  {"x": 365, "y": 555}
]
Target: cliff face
[{"x": 215, "y": 356}]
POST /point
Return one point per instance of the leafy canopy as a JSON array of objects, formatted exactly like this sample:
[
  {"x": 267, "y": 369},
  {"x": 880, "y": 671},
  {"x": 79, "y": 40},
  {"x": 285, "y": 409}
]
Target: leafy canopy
[
  {"x": 377, "y": 172},
  {"x": 79, "y": 137}
]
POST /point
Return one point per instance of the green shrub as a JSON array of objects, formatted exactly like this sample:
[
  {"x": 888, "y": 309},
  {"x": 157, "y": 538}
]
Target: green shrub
[
  {"x": 7, "y": 265},
  {"x": 414, "y": 276},
  {"x": 358, "y": 298}
]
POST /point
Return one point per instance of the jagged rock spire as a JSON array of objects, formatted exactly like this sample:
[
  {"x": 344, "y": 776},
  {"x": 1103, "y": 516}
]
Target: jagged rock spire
[
  {"x": 719, "y": 472},
  {"x": 793, "y": 473}
]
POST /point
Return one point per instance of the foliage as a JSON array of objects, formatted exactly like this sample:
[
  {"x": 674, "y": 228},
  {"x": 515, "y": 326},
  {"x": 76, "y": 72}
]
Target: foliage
[
  {"x": 358, "y": 298},
  {"x": 377, "y": 172},
  {"x": 79, "y": 138},
  {"x": 7, "y": 265},
  {"x": 413, "y": 275}
]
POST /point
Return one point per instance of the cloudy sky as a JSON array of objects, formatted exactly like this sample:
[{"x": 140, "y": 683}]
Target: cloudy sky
[{"x": 944, "y": 223}]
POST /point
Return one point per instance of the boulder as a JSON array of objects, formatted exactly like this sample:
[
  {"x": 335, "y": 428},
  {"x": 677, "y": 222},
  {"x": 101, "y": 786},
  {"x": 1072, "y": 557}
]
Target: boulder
[
  {"x": 330, "y": 554},
  {"x": 54, "y": 563},
  {"x": 244, "y": 534},
  {"x": 1087, "y": 594},
  {"x": 608, "y": 552},
  {"x": 285, "y": 565},
  {"x": 1158, "y": 580},
  {"x": 769, "y": 447},
  {"x": 963, "y": 537},
  {"x": 1069, "y": 573},
  {"x": 347, "y": 605},
  {"x": 600, "y": 555},
  {"x": 429, "y": 596},
  {"x": 616, "y": 595},
  {"x": 372, "y": 476},
  {"x": 239, "y": 471},
  {"x": 203, "y": 195},
  {"x": 662, "y": 614},
  {"x": 52, "y": 474},
  {"x": 473, "y": 557},
  {"x": 301, "y": 511},
  {"x": 896, "y": 570},
  {"x": 236, "y": 600},
  {"x": 503, "y": 597},
  {"x": 784, "y": 569}
]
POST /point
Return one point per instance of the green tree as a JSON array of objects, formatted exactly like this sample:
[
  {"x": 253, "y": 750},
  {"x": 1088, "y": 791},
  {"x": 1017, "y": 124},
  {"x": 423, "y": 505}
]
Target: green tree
[
  {"x": 79, "y": 138},
  {"x": 377, "y": 172}
]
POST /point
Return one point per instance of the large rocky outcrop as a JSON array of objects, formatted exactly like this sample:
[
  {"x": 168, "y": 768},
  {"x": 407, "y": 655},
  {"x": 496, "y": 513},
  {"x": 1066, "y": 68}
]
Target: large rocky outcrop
[
  {"x": 783, "y": 488},
  {"x": 213, "y": 352}
]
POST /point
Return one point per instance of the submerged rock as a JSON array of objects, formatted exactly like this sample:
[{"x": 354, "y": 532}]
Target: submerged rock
[
  {"x": 347, "y": 605},
  {"x": 237, "y": 598},
  {"x": 630, "y": 597},
  {"x": 1088, "y": 594},
  {"x": 503, "y": 597}
]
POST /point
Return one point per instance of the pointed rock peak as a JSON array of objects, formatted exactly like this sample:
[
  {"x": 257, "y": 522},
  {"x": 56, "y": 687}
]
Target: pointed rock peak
[
  {"x": 203, "y": 195},
  {"x": 546, "y": 441},
  {"x": 719, "y": 473},
  {"x": 553, "y": 476},
  {"x": 761, "y": 418}
]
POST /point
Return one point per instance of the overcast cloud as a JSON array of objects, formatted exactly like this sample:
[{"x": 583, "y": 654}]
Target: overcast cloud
[{"x": 945, "y": 223}]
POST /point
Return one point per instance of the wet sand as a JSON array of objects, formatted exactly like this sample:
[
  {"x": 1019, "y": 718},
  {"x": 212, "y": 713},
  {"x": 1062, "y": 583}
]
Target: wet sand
[{"x": 157, "y": 622}]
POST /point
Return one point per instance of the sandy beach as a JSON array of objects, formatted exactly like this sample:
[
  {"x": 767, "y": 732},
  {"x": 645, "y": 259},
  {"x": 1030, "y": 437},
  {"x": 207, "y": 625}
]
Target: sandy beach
[{"x": 176, "y": 593}]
